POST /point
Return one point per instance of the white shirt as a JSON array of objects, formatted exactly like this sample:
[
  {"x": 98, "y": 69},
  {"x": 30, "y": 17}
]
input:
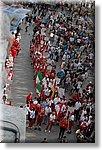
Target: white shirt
[
  {"x": 61, "y": 92},
  {"x": 89, "y": 121},
  {"x": 68, "y": 80},
  {"x": 91, "y": 55},
  {"x": 57, "y": 108},
  {"x": 27, "y": 24},
  {"x": 83, "y": 112},
  {"x": 50, "y": 102},
  {"x": 79, "y": 85},
  {"x": 44, "y": 83},
  {"x": 27, "y": 110},
  {"x": 47, "y": 110},
  {"x": 72, "y": 117},
  {"x": 56, "y": 100},
  {"x": 52, "y": 117},
  {"x": 11, "y": 58},
  {"x": 51, "y": 35},
  {"x": 57, "y": 80},
  {"x": 47, "y": 92},
  {"x": 78, "y": 40},
  {"x": 71, "y": 39},
  {"x": 32, "y": 114},
  {"x": 84, "y": 118},
  {"x": 63, "y": 108},
  {"x": 77, "y": 105},
  {"x": 50, "y": 84}
]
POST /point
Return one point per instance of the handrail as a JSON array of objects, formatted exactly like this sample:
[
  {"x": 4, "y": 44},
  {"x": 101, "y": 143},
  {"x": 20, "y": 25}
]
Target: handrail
[{"x": 17, "y": 132}]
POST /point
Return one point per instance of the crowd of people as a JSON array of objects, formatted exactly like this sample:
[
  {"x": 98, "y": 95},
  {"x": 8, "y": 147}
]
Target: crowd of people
[
  {"x": 9, "y": 64},
  {"x": 62, "y": 53}
]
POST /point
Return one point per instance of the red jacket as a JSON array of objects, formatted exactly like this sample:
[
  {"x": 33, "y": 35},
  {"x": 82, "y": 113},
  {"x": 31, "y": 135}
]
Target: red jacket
[
  {"x": 32, "y": 106},
  {"x": 38, "y": 107},
  {"x": 11, "y": 74},
  {"x": 64, "y": 123},
  {"x": 14, "y": 53},
  {"x": 28, "y": 98}
]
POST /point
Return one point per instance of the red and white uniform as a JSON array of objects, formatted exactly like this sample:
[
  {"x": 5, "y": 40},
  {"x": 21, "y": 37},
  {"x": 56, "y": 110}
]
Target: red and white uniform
[{"x": 10, "y": 75}]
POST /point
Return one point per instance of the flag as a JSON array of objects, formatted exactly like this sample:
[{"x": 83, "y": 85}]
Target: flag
[
  {"x": 53, "y": 92},
  {"x": 39, "y": 77},
  {"x": 34, "y": 83},
  {"x": 38, "y": 87}
]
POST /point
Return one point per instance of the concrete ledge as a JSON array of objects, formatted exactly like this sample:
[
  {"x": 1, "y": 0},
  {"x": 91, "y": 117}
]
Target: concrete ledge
[{"x": 14, "y": 119}]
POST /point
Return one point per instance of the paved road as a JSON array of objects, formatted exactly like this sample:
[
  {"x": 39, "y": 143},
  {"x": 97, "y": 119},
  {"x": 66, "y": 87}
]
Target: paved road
[
  {"x": 36, "y": 136},
  {"x": 23, "y": 79}
]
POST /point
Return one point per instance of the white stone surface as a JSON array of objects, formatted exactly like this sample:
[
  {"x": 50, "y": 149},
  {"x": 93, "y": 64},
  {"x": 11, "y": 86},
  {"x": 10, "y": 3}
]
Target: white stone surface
[
  {"x": 14, "y": 115},
  {"x": 4, "y": 38}
]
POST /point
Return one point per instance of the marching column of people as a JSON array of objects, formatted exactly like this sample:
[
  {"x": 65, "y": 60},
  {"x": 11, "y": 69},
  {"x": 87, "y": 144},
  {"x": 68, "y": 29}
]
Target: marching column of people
[
  {"x": 68, "y": 41},
  {"x": 9, "y": 63}
]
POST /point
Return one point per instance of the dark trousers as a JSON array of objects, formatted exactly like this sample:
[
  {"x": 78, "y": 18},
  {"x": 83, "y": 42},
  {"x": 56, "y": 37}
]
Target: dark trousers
[
  {"x": 61, "y": 133},
  {"x": 76, "y": 112},
  {"x": 26, "y": 28}
]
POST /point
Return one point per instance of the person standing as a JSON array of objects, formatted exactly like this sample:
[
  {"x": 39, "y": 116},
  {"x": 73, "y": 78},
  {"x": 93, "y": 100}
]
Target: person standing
[
  {"x": 32, "y": 118},
  {"x": 71, "y": 123},
  {"x": 51, "y": 121},
  {"x": 40, "y": 119},
  {"x": 10, "y": 75},
  {"x": 29, "y": 98},
  {"x": 27, "y": 25},
  {"x": 63, "y": 127},
  {"x": 47, "y": 114},
  {"x": 77, "y": 109}
]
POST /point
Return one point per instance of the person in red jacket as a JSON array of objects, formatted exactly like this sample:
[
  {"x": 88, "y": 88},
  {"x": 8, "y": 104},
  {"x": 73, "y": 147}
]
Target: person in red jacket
[
  {"x": 71, "y": 122},
  {"x": 29, "y": 98},
  {"x": 14, "y": 53},
  {"x": 63, "y": 127},
  {"x": 10, "y": 75},
  {"x": 40, "y": 119}
]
